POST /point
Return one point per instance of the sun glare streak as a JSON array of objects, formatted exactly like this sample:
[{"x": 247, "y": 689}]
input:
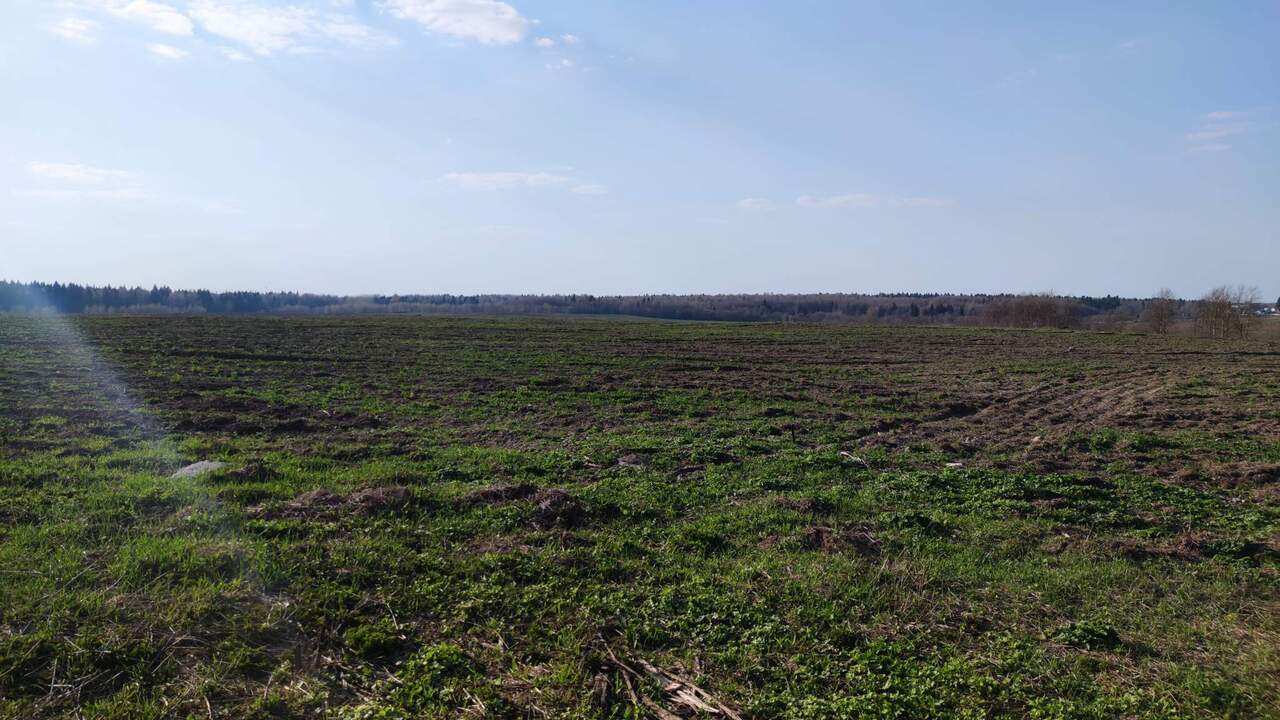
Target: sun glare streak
[
  {"x": 105, "y": 388},
  {"x": 81, "y": 356},
  {"x": 77, "y": 360}
]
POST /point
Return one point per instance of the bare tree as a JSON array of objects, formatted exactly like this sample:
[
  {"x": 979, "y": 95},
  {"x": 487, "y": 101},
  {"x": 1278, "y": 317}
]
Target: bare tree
[
  {"x": 1161, "y": 311},
  {"x": 1227, "y": 312}
]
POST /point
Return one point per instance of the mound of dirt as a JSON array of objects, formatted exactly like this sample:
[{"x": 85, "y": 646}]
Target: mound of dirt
[
  {"x": 1193, "y": 547},
  {"x": 321, "y": 503},
  {"x": 313, "y": 501},
  {"x": 1188, "y": 548},
  {"x": 253, "y": 471},
  {"x": 496, "y": 494},
  {"x": 825, "y": 539},
  {"x": 633, "y": 459},
  {"x": 557, "y": 509},
  {"x": 379, "y": 500}
]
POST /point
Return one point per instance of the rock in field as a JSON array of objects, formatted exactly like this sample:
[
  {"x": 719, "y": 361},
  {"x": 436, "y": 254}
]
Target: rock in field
[{"x": 197, "y": 469}]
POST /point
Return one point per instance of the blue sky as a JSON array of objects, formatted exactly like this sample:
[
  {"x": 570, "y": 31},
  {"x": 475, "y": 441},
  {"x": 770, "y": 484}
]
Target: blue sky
[{"x": 623, "y": 147}]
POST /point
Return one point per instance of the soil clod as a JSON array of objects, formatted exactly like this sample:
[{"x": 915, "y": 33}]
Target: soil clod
[{"x": 557, "y": 509}]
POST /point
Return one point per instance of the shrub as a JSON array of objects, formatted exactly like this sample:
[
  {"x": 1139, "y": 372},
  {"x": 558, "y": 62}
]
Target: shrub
[
  {"x": 1161, "y": 311},
  {"x": 1226, "y": 312}
]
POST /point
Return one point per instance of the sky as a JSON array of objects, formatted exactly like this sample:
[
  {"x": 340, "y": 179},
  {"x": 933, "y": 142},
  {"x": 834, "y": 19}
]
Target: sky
[{"x": 615, "y": 147}]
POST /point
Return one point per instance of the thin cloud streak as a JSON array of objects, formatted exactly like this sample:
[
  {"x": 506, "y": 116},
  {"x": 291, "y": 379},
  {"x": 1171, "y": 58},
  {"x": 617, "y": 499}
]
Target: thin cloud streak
[
  {"x": 1217, "y": 127},
  {"x": 504, "y": 180},
  {"x": 757, "y": 204},
  {"x": 492, "y": 181},
  {"x": 263, "y": 27},
  {"x": 858, "y": 201},
  {"x": 77, "y": 173}
]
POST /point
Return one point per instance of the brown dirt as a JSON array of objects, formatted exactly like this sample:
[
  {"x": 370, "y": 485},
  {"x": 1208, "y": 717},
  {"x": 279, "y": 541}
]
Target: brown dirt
[
  {"x": 1036, "y": 426},
  {"x": 1189, "y": 548},
  {"x": 808, "y": 506},
  {"x": 1013, "y": 399},
  {"x": 1245, "y": 474}
]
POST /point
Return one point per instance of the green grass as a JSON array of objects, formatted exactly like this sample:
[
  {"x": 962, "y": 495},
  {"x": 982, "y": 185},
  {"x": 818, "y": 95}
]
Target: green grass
[{"x": 765, "y": 510}]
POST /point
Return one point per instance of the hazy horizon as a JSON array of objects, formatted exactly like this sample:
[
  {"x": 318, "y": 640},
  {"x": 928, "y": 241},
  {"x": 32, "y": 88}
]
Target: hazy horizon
[
  {"x": 1263, "y": 298},
  {"x": 362, "y": 147}
]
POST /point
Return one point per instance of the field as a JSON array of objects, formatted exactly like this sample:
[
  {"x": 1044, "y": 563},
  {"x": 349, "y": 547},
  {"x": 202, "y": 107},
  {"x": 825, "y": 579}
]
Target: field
[{"x": 441, "y": 518}]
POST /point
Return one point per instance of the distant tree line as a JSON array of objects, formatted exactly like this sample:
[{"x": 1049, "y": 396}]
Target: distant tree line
[
  {"x": 1043, "y": 310},
  {"x": 72, "y": 298}
]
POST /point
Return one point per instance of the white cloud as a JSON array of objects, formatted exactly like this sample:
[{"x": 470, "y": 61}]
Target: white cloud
[
  {"x": 77, "y": 181},
  {"x": 156, "y": 16},
  {"x": 1217, "y": 126},
  {"x": 756, "y": 204},
  {"x": 856, "y": 201},
  {"x": 159, "y": 17},
  {"x": 1210, "y": 148},
  {"x": 130, "y": 194},
  {"x": 490, "y": 22},
  {"x": 1213, "y": 133},
  {"x": 505, "y": 180},
  {"x": 235, "y": 55},
  {"x": 1017, "y": 78},
  {"x": 122, "y": 194},
  {"x": 76, "y": 29},
  {"x": 853, "y": 200},
  {"x": 168, "y": 52},
  {"x": 545, "y": 42},
  {"x": 512, "y": 180},
  {"x": 267, "y": 29},
  {"x": 263, "y": 30},
  {"x": 220, "y": 207},
  {"x": 77, "y": 173},
  {"x": 1127, "y": 46},
  {"x": 353, "y": 33},
  {"x": 570, "y": 39}
]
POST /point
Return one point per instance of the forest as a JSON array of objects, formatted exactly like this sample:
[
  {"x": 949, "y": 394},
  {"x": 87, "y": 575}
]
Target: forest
[{"x": 920, "y": 308}]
